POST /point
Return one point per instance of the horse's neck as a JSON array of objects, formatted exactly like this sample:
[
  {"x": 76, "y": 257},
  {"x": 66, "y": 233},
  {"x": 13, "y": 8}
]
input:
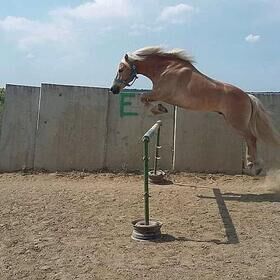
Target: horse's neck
[
  {"x": 205, "y": 76},
  {"x": 153, "y": 67}
]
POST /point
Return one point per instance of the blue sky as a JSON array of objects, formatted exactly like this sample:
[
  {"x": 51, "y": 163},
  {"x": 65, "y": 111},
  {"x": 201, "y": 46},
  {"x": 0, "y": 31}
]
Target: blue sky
[{"x": 81, "y": 42}]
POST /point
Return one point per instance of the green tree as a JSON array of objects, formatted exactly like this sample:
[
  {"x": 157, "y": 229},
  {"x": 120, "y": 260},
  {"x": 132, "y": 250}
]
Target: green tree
[{"x": 2, "y": 98}]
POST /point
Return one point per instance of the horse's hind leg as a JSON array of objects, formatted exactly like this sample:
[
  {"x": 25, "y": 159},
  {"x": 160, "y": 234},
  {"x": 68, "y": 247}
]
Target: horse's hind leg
[
  {"x": 252, "y": 165},
  {"x": 251, "y": 154},
  {"x": 239, "y": 120}
]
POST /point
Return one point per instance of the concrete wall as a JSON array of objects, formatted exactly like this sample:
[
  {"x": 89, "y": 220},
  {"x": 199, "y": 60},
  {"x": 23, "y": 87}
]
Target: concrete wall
[
  {"x": 270, "y": 154},
  {"x": 17, "y": 140},
  {"x": 72, "y": 128},
  {"x": 128, "y": 120},
  {"x": 82, "y": 128},
  {"x": 204, "y": 143}
]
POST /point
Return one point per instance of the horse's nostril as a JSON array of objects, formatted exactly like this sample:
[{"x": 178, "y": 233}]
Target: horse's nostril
[{"x": 114, "y": 89}]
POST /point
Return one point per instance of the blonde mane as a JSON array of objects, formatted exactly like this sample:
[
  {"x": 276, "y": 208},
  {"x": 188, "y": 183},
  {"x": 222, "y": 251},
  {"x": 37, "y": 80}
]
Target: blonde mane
[{"x": 141, "y": 54}]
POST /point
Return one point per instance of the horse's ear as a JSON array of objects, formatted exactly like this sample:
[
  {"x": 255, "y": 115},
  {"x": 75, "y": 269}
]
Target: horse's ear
[{"x": 126, "y": 57}]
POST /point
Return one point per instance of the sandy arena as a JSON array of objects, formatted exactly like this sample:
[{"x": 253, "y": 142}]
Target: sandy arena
[{"x": 78, "y": 226}]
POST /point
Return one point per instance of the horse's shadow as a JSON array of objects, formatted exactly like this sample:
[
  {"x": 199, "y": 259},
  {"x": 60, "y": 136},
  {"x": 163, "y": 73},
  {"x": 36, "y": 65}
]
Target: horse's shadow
[
  {"x": 250, "y": 197},
  {"x": 230, "y": 231},
  {"x": 264, "y": 197},
  {"x": 231, "y": 235}
]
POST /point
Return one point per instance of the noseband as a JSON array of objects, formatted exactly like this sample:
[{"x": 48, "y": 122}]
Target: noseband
[{"x": 132, "y": 76}]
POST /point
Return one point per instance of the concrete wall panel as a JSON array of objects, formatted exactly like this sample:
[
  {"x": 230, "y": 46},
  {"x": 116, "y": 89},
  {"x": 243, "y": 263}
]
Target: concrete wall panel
[
  {"x": 270, "y": 154},
  {"x": 204, "y": 143},
  {"x": 17, "y": 140},
  {"x": 72, "y": 128},
  {"x": 86, "y": 128}
]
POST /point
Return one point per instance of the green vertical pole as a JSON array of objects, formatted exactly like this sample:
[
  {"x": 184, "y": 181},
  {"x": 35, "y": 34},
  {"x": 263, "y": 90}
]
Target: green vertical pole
[
  {"x": 157, "y": 152},
  {"x": 146, "y": 179},
  {"x": 146, "y": 139}
]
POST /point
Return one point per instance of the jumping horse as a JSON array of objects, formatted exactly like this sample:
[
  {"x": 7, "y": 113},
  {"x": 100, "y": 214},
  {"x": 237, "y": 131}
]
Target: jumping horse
[{"x": 178, "y": 82}]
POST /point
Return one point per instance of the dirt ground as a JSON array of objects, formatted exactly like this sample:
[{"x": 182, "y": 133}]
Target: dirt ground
[{"x": 78, "y": 226}]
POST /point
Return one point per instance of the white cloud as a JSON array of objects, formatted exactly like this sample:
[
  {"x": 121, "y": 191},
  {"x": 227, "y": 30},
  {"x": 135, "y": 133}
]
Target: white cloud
[
  {"x": 66, "y": 26},
  {"x": 15, "y": 24},
  {"x": 64, "y": 23},
  {"x": 30, "y": 56},
  {"x": 95, "y": 10},
  {"x": 139, "y": 29},
  {"x": 30, "y": 32},
  {"x": 176, "y": 14},
  {"x": 251, "y": 38}
]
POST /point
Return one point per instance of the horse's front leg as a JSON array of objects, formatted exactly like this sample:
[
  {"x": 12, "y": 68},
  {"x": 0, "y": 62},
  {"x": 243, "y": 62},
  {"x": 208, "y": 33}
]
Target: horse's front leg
[{"x": 147, "y": 98}]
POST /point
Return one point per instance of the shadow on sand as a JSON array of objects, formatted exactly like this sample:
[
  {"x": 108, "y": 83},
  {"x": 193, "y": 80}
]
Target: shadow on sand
[
  {"x": 165, "y": 238},
  {"x": 230, "y": 231}
]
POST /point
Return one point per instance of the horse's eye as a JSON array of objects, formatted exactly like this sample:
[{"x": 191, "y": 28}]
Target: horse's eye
[{"x": 120, "y": 70}]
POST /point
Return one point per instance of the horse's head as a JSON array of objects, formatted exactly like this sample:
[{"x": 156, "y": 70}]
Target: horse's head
[{"x": 126, "y": 73}]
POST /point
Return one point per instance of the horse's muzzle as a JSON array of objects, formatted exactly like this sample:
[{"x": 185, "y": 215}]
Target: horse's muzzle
[{"x": 115, "y": 89}]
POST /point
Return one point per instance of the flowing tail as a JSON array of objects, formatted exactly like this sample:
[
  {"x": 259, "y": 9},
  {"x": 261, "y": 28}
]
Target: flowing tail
[{"x": 261, "y": 124}]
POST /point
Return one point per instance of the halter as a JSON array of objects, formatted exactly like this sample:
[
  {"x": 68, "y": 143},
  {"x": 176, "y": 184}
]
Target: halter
[{"x": 132, "y": 76}]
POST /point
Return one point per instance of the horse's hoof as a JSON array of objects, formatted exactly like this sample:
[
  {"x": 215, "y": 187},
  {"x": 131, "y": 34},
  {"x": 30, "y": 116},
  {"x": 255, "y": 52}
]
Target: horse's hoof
[
  {"x": 162, "y": 108},
  {"x": 159, "y": 109},
  {"x": 247, "y": 171},
  {"x": 258, "y": 170},
  {"x": 252, "y": 170}
]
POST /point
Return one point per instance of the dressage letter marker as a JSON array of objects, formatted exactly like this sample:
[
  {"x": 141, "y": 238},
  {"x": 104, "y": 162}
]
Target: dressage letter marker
[{"x": 124, "y": 103}]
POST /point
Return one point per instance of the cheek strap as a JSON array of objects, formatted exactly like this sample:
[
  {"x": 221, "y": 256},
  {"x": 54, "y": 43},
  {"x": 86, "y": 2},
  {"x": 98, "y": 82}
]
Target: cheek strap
[{"x": 132, "y": 77}]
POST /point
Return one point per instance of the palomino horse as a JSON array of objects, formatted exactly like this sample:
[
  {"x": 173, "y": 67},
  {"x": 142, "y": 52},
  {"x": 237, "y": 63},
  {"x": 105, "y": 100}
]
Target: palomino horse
[{"x": 176, "y": 81}]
